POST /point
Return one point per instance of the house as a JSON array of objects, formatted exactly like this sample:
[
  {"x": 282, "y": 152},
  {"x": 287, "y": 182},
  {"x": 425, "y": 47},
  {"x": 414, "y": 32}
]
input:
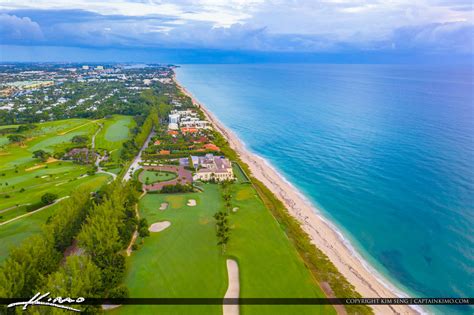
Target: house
[
  {"x": 188, "y": 130},
  {"x": 80, "y": 155},
  {"x": 210, "y": 167},
  {"x": 211, "y": 147},
  {"x": 165, "y": 152}
]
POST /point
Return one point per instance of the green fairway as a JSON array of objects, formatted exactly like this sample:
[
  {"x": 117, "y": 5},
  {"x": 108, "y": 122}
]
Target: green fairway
[
  {"x": 150, "y": 177},
  {"x": 12, "y": 234},
  {"x": 185, "y": 261},
  {"x": 115, "y": 131},
  {"x": 24, "y": 179},
  {"x": 181, "y": 261}
]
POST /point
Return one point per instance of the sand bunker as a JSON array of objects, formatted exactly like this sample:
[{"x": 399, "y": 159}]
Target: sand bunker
[
  {"x": 235, "y": 209},
  {"x": 191, "y": 203},
  {"x": 164, "y": 206},
  {"x": 159, "y": 226},
  {"x": 34, "y": 167},
  {"x": 233, "y": 289}
]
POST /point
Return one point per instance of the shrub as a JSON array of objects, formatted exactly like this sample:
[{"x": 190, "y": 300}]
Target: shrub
[
  {"x": 119, "y": 292},
  {"x": 48, "y": 198},
  {"x": 143, "y": 231},
  {"x": 178, "y": 188}
]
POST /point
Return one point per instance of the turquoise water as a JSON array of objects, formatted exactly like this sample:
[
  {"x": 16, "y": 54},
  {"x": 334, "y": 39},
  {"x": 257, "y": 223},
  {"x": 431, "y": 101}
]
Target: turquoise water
[{"x": 386, "y": 152}]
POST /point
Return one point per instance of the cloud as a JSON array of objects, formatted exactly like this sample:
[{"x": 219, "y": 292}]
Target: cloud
[
  {"x": 437, "y": 37},
  {"x": 258, "y": 25},
  {"x": 13, "y": 28}
]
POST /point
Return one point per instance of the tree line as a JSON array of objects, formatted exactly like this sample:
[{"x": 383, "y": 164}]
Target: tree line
[{"x": 94, "y": 231}]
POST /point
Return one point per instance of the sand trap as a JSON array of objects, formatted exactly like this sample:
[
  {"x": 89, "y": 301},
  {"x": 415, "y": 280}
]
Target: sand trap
[
  {"x": 34, "y": 167},
  {"x": 159, "y": 226},
  {"x": 51, "y": 160},
  {"x": 107, "y": 307},
  {"x": 164, "y": 206},
  {"x": 191, "y": 203},
  {"x": 235, "y": 209},
  {"x": 233, "y": 289}
]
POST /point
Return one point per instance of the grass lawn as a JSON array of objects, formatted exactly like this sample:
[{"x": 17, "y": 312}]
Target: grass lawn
[
  {"x": 115, "y": 132},
  {"x": 151, "y": 177},
  {"x": 60, "y": 181},
  {"x": 12, "y": 234},
  {"x": 185, "y": 261},
  {"x": 23, "y": 179},
  {"x": 181, "y": 261},
  {"x": 239, "y": 174}
]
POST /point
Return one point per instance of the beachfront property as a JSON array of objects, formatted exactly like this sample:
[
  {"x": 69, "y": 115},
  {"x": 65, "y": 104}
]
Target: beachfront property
[
  {"x": 210, "y": 167},
  {"x": 186, "y": 119},
  {"x": 173, "y": 121}
]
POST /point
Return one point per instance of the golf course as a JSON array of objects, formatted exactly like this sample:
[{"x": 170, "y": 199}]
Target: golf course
[
  {"x": 114, "y": 132},
  {"x": 24, "y": 179},
  {"x": 184, "y": 260}
]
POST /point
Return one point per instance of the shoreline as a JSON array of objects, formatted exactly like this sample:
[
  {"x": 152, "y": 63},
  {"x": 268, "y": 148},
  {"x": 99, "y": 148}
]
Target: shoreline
[{"x": 324, "y": 234}]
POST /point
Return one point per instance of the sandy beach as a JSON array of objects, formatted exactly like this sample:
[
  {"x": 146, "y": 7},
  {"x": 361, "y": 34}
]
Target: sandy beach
[{"x": 322, "y": 233}]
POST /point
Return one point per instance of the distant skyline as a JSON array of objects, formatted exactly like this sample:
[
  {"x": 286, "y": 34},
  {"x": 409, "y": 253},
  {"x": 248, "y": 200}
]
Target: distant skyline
[{"x": 181, "y": 31}]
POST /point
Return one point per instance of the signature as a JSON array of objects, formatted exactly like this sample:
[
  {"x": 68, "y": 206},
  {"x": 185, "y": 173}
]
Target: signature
[{"x": 54, "y": 302}]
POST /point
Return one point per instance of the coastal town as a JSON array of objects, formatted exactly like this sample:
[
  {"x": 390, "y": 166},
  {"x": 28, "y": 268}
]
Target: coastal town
[{"x": 173, "y": 186}]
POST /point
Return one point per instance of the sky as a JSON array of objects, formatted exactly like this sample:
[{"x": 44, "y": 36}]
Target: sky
[{"x": 237, "y": 30}]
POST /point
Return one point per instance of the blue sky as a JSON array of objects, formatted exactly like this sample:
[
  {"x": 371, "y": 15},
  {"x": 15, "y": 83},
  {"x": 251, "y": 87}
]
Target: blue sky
[{"x": 187, "y": 30}]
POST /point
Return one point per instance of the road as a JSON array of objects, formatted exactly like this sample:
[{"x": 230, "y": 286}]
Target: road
[{"x": 136, "y": 162}]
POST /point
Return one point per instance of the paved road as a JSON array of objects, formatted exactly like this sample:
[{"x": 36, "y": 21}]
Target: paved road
[{"x": 136, "y": 162}]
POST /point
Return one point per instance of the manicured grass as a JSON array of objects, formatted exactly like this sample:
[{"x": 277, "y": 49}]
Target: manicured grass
[
  {"x": 24, "y": 179},
  {"x": 239, "y": 174},
  {"x": 185, "y": 261},
  {"x": 181, "y": 261},
  {"x": 156, "y": 176},
  {"x": 115, "y": 131},
  {"x": 269, "y": 265},
  {"x": 12, "y": 234},
  {"x": 61, "y": 183}
]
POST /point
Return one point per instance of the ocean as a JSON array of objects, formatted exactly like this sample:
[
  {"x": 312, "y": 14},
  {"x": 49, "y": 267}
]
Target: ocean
[{"x": 385, "y": 152}]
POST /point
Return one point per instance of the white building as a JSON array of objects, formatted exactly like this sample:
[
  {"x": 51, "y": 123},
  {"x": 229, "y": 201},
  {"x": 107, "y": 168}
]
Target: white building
[
  {"x": 85, "y": 67},
  {"x": 213, "y": 167},
  {"x": 174, "y": 118}
]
